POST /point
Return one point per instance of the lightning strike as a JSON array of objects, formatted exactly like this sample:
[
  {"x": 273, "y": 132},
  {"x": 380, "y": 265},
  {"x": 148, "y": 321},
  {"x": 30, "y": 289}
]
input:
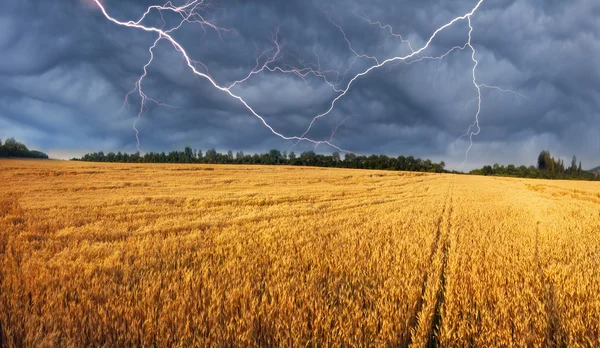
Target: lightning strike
[
  {"x": 270, "y": 61},
  {"x": 385, "y": 26},
  {"x": 336, "y": 128}
]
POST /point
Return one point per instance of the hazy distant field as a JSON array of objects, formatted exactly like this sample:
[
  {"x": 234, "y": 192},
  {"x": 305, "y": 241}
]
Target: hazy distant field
[{"x": 118, "y": 254}]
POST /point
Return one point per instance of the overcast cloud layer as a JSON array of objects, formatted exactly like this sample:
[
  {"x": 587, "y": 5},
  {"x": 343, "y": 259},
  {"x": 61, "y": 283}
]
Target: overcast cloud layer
[{"x": 64, "y": 71}]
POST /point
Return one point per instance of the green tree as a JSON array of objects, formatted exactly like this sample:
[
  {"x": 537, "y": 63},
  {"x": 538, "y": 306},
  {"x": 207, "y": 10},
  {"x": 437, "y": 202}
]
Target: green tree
[
  {"x": 308, "y": 158},
  {"x": 211, "y": 156},
  {"x": 274, "y": 156},
  {"x": 188, "y": 154},
  {"x": 336, "y": 158},
  {"x": 544, "y": 160},
  {"x": 239, "y": 157}
]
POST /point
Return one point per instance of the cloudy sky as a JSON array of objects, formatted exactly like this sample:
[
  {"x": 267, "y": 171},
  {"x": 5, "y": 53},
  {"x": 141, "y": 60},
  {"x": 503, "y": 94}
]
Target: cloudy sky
[{"x": 65, "y": 70}]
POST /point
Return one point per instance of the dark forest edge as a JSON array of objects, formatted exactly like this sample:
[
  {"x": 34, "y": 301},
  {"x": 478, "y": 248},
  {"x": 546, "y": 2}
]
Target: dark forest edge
[
  {"x": 274, "y": 157},
  {"x": 548, "y": 167},
  {"x": 13, "y": 148}
]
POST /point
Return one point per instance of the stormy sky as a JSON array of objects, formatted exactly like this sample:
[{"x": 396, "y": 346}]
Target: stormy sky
[{"x": 65, "y": 70}]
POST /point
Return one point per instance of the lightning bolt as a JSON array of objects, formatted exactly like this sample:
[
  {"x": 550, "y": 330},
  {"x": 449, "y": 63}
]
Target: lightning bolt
[
  {"x": 475, "y": 124},
  {"x": 271, "y": 61},
  {"x": 188, "y": 13},
  {"x": 385, "y": 26},
  {"x": 300, "y": 72},
  {"x": 336, "y": 128}
]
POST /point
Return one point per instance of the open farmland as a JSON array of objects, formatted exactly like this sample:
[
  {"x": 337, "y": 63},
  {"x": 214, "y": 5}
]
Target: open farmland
[{"x": 197, "y": 255}]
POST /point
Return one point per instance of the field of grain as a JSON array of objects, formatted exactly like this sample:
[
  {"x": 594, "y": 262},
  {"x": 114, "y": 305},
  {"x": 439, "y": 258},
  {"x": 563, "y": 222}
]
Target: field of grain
[{"x": 206, "y": 255}]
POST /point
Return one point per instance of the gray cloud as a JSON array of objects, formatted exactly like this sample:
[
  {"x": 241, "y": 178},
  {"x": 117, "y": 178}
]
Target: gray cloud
[{"x": 64, "y": 71}]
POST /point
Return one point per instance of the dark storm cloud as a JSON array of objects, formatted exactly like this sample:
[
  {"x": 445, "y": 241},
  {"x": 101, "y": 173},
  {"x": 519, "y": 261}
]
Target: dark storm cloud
[{"x": 64, "y": 71}]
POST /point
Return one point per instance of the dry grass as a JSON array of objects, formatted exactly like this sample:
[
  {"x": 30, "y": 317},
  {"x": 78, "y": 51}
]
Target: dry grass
[{"x": 111, "y": 254}]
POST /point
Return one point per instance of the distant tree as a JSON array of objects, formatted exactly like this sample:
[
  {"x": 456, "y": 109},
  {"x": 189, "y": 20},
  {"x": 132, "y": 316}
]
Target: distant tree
[
  {"x": 411, "y": 163},
  {"x": 562, "y": 166},
  {"x": 211, "y": 156},
  {"x": 188, "y": 154},
  {"x": 487, "y": 170},
  {"x": 511, "y": 170},
  {"x": 274, "y": 156},
  {"x": 336, "y": 157},
  {"x": 134, "y": 158},
  {"x": 401, "y": 163},
  {"x": 37, "y": 154},
  {"x": 239, "y": 157},
  {"x": 308, "y": 158},
  {"x": 11, "y": 148},
  {"x": 544, "y": 161},
  {"x": 180, "y": 157}
]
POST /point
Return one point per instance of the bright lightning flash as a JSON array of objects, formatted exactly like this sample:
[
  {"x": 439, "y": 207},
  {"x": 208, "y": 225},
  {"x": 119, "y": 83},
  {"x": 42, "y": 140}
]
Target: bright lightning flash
[{"x": 266, "y": 62}]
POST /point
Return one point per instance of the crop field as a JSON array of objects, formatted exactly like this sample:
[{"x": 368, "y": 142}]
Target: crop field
[{"x": 208, "y": 255}]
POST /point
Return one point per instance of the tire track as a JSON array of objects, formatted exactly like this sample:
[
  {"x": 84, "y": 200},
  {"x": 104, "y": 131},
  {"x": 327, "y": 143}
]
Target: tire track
[
  {"x": 425, "y": 325},
  {"x": 440, "y": 298},
  {"x": 555, "y": 336}
]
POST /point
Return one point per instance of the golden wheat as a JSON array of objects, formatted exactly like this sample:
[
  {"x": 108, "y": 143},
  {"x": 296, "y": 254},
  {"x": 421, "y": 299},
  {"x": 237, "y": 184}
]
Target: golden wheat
[{"x": 205, "y": 255}]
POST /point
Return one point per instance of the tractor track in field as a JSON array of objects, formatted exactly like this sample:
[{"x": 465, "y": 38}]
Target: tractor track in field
[
  {"x": 555, "y": 336},
  {"x": 425, "y": 324}
]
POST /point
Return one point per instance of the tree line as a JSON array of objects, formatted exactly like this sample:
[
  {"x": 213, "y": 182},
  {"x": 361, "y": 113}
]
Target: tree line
[
  {"x": 273, "y": 157},
  {"x": 548, "y": 167},
  {"x": 13, "y": 148}
]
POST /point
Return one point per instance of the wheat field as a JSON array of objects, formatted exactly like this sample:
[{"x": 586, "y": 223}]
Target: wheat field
[{"x": 214, "y": 255}]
